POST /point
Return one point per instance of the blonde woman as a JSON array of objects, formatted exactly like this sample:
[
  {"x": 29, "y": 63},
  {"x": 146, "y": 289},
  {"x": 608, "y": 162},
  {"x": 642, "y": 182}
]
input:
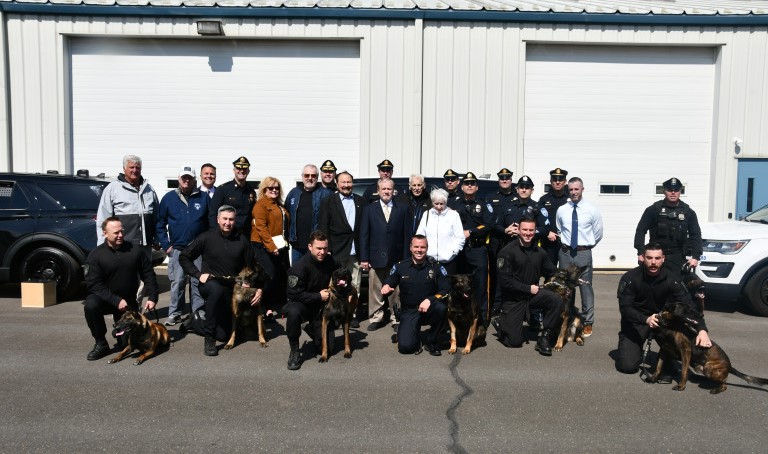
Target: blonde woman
[{"x": 270, "y": 221}]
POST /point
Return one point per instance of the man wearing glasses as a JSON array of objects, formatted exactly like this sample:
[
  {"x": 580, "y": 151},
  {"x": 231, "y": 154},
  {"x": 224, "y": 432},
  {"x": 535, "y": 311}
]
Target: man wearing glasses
[
  {"x": 303, "y": 202},
  {"x": 451, "y": 182},
  {"x": 551, "y": 201},
  {"x": 237, "y": 194},
  {"x": 674, "y": 225}
]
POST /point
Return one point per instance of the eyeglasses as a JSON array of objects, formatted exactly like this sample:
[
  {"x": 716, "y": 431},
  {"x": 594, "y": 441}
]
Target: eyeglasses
[
  {"x": 558, "y": 178},
  {"x": 242, "y": 169},
  {"x": 273, "y": 188},
  {"x": 505, "y": 178},
  {"x": 310, "y": 175},
  {"x": 470, "y": 183},
  {"x": 451, "y": 180}
]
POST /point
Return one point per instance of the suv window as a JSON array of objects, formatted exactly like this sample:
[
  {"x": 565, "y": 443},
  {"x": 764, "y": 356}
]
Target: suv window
[
  {"x": 12, "y": 197},
  {"x": 78, "y": 196}
]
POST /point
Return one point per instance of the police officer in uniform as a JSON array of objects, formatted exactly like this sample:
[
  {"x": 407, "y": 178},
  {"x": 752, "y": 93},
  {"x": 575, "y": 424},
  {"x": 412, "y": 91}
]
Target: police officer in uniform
[
  {"x": 477, "y": 222},
  {"x": 452, "y": 181},
  {"x": 237, "y": 194},
  {"x": 674, "y": 225},
  {"x": 423, "y": 283},
  {"x": 551, "y": 201},
  {"x": 495, "y": 202},
  {"x": 328, "y": 175},
  {"x": 386, "y": 168}
]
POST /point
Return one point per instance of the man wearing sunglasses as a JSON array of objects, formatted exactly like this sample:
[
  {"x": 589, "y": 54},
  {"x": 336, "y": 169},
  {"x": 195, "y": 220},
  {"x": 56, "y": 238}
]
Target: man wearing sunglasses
[
  {"x": 496, "y": 201},
  {"x": 452, "y": 182},
  {"x": 237, "y": 194},
  {"x": 673, "y": 224},
  {"x": 551, "y": 201},
  {"x": 303, "y": 203}
]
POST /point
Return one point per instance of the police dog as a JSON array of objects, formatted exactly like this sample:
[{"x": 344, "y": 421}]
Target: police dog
[
  {"x": 244, "y": 316},
  {"x": 463, "y": 314},
  {"x": 142, "y": 335},
  {"x": 564, "y": 283},
  {"x": 676, "y": 337},
  {"x": 339, "y": 309},
  {"x": 695, "y": 286}
]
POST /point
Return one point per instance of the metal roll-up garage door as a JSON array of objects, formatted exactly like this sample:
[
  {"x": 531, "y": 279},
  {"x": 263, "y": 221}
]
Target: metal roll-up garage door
[
  {"x": 624, "y": 119},
  {"x": 282, "y": 104}
]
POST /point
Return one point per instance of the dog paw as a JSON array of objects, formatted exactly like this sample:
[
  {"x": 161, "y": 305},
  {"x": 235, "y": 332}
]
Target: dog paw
[
  {"x": 580, "y": 342},
  {"x": 679, "y": 387},
  {"x": 466, "y": 351},
  {"x": 557, "y": 349},
  {"x": 228, "y": 346},
  {"x": 112, "y": 361},
  {"x": 452, "y": 350},
  {"x": 137, "y": 362},
  {"x": 263, "y": 344},
  {"x": 347, "y": 354}
]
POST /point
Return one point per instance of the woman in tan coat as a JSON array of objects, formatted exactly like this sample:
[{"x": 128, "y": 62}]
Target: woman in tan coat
[{"x": 270, "y": 222}]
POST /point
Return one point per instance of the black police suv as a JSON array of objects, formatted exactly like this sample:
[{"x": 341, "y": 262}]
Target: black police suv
[{"x": 47, "y": 227}]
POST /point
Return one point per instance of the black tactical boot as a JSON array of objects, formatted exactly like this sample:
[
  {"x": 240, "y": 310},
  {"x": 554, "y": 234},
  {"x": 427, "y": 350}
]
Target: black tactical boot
[
  {"x": 294, "y": 358},
  {"x": 543, "y": 345},
  {"x": 210, "y": 347}
]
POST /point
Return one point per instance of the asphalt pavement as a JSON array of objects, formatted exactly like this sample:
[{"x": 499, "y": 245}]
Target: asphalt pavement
[{"x": 244, "y": 400}]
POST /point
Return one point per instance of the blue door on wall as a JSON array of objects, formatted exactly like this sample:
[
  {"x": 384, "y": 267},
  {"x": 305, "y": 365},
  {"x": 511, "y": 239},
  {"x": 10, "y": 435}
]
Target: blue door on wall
[{"x": 752, "y": 190}]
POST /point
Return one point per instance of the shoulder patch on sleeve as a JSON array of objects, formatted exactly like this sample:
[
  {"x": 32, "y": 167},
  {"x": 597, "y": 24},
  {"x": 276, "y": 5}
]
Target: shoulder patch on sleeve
[
  {"x": 622, "y": 286},
  {"x": 500, "y": 262},
  {"x": 442, "y": 270},
  {"x": 490, "y": 207},
  {"x": 544, "y": 212},
  {"x": 293, "y": 281},
  {"x": 393, "y": 270}
]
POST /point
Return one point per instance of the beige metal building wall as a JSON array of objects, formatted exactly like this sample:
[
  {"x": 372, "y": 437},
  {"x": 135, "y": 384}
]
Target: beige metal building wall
[
  {"x": 40, "y": 107},
  {"x": 474, "y": 76}
]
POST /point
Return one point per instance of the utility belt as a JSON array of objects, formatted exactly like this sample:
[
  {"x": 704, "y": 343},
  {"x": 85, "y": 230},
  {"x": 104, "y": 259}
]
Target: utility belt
[
  {"x": 475, "y": 242},
  {"x": 578, "y": 248}
]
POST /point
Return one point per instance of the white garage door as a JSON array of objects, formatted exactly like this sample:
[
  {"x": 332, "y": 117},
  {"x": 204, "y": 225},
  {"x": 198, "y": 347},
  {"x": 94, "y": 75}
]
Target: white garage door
[
  {"x": 282, "y": 104},
  {"x": 624, "y": 119}
]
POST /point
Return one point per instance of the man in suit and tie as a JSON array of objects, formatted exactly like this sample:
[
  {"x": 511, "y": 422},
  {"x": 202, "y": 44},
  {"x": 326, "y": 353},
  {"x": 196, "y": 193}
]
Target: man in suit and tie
[
  {"x": 340, "y": 217},
  {"x": 383, "y": 242}
]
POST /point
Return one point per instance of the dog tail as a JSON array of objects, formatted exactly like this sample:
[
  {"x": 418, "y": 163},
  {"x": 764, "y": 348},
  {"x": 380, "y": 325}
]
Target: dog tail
[{"x": 749, "y": 379}]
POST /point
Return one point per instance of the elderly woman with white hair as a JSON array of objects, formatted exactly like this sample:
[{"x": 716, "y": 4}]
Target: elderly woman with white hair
[{"x": 445, "y": 234}]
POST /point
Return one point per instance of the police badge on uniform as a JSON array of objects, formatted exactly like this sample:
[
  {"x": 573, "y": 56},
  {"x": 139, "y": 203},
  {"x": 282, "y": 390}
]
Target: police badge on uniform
[
  {"x": 293, "y": 281},
  {"x": 478, "y": 208},
  {"x": 681, "y": 216},
  {"x": 431, "y": 274},
  {"x": 499, "y": 263}
]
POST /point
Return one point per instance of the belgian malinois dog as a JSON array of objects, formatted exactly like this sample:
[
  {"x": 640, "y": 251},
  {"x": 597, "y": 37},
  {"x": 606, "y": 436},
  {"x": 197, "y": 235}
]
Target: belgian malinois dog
[
  {"x": 676, "y": 337},
  {"x": 244, "y": 315},
  {"x": 141, "y": 334},
  {"x": 463, "y": 315},
  {"x": 339, "y": 309},
  {"x": 564, "y": 283}
]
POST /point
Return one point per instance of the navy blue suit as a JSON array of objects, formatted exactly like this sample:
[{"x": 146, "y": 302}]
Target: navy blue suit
[{"x": 382, "y": 244}]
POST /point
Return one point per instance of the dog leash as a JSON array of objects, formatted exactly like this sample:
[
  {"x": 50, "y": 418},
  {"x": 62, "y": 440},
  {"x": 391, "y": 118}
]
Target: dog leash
[
  {"x": 150, "y": 311},
  {"x": 645, "y": 374}
]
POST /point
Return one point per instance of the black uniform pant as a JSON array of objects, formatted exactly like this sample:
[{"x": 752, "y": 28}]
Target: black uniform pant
[
  {"x": 411, "y": 321},
  {"x": 297, "y": 313},
  {"x": 494, "y": 295},
  {"x": 95, "y": 309},
  {"x": 513, "y": 314},
  {"x": 218, "y": 309},
  {"x": 673, "y": 261},
  {"x": 476, "y": 264},
  {"x": 630, "y": 349}
]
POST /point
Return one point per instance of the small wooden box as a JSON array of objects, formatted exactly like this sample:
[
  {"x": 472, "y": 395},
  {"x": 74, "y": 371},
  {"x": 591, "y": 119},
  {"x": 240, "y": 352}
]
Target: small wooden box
[{"x": 38, "y": 294}]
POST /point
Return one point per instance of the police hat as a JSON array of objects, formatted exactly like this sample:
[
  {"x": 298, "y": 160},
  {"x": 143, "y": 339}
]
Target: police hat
[
  {"x": 328, "y": 166},
  {"x": 673, "y": 184},
  {"x": 242, "y": 163},
  {"x": 385, "y": 164},
  {"x": 469, "y": 177},
  {"x": 558, "y": 172},
  {"x": 525, "y": 181},
  {"x": 450, "y": 174},
  {"x": 504, "y": 174}
]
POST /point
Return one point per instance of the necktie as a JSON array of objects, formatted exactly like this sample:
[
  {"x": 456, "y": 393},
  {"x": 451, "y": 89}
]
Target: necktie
[
  {"x": 386, "y": 212},
  {"x": 574, "y": 231}
]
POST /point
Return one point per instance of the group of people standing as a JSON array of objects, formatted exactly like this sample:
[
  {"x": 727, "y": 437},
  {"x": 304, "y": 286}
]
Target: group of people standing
[{"x": 407, "y": 239}]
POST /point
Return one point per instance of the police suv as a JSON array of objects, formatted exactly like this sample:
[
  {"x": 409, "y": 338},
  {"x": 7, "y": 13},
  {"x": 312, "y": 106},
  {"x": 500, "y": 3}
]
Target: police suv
[{"x": 735, "y": 260}]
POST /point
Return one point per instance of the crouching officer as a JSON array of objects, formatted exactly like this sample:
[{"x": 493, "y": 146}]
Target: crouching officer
[
  {"x": 477, "y": 222},
  {"x": 520, "y": 266},
  {"x": 422, "y": 282},
  {"x": 308, "y": 281}
]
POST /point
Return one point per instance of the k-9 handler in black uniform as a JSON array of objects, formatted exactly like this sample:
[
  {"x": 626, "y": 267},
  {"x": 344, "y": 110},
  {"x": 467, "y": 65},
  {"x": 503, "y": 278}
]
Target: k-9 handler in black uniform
[
  {"x": 551, "y": 201},
  {"x": 477, "y": 222},
  {"x": 308, "y": 281},
  {"x": 674, "y": 225},
  {"x": 225, "y": 251},
  {"x": 642, "y": 293},
  {"x": 422, "y": 282},
  {"x": 112, "y": 275}
]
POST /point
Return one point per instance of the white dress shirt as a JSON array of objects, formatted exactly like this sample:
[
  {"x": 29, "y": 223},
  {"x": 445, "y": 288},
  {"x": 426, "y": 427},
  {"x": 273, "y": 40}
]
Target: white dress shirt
[{"x": 590, "y": 223}]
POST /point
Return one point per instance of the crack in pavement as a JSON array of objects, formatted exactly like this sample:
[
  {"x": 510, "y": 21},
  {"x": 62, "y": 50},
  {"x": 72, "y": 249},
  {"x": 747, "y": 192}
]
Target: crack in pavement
[{"x": 466, "y": 391}]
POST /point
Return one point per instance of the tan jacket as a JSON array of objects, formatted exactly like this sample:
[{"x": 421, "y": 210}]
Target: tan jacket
[{"x": 268, "y": 222}]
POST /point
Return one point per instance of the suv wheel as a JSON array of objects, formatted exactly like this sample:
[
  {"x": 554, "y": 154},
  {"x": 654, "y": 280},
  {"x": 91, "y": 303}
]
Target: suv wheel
[
  {"x": 756, "y": 292},
  {"x": 51, "y": 264}
]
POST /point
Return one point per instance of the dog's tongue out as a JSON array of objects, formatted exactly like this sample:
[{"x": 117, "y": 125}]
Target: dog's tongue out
[
  {"x": 120, "y": 333},
  {"x": 342, "y": 283}
]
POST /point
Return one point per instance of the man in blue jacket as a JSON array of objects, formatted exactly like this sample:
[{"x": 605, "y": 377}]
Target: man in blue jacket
[
  {"x": 183, "y": 215},
  {"x": 304, "y": 205}
]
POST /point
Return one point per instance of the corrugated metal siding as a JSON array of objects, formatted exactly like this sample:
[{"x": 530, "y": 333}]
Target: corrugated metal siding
[
  {"x": 39, "y": 87},
  {"x": 473, "y": 92}
]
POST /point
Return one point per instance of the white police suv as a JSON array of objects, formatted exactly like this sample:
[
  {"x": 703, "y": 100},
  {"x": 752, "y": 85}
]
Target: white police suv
[{"x": 735, "y": 260}]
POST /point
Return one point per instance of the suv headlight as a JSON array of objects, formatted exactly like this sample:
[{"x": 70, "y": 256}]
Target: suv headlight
[{"x": 724, "y": 247}]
